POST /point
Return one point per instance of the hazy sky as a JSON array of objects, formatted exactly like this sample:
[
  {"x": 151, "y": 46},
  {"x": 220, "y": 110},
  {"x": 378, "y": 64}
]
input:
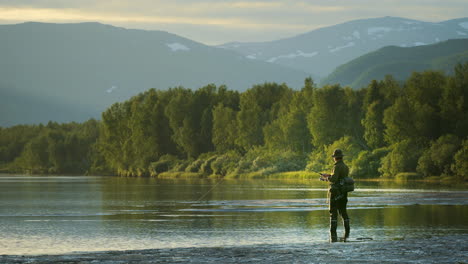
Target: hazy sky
[{"x": 220, "y": 21}]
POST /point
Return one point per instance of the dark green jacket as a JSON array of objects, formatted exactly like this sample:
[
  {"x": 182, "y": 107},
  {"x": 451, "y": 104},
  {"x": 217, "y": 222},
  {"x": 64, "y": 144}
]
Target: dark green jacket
[{"x": 340, "y": 171}]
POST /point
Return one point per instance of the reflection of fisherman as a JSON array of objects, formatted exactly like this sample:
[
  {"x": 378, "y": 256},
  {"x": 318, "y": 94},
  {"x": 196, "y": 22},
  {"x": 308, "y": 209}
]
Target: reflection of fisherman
[{"x": 337, "y": 198}]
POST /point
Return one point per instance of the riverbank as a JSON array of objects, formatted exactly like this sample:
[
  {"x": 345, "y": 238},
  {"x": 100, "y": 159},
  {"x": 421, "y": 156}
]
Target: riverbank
[
  {"x": 437, "y": 249},
  {"x": 290, "y": 175}
]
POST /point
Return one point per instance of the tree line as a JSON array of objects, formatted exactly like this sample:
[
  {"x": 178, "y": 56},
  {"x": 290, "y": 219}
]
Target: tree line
[{"x": 414, "y": 129}]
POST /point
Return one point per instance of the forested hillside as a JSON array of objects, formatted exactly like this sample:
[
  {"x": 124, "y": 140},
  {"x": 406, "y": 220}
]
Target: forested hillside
[
  {"x": 400, "y": 63},
  {"x": 416, "y": 129}
]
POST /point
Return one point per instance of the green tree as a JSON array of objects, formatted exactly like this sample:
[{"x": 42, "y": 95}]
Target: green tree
[
  {"x": 190, "y": 117},
  {"x": 460, "y": 165},
  {"x": 296, "y": 133},
  {"x": 440, "y": 156},
  {"x": 259, "y": 106},
  {"x": 373, "y": 125},
  {"x": 354, "y": 115},
  {"x": 321, "y": 159},
  {"x": 454, "y": 102},
  {"x": 399, "y": 121},
  {"x": 14, "y": 139},
  {"x": 425, "y": 88},
  {"x": 290, "y": 131},
  {"x": 423, "y": 91},
  {"x": 367, "y": 163},
  {"x": 34, "y": 158},
  {"x": 115, "y": 137},
  {"x": 224, "y": 128},
  {"x": 403, "y": 157},
  {"x": 327, "y": 118},
  {"x": 373, "y": 107},
  {"x": 182, "y": 120}
]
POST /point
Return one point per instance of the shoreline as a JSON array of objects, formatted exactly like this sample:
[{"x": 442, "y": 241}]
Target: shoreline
[
  {"x": 291, "y": 175},
  {"x": 435, "y": 249}
]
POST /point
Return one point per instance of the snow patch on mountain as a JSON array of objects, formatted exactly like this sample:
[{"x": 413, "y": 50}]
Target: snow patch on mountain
[
  {"x": 298, "y": 53},
  {"x": 356, "y": 34},
  {"x": 177, "y": 46},
  {"x": 350, "y": 44},
  {"x": 110, "y": 90},
  {"x": 464, "y": 25},
  {"x": 419, "y": 44},
  {"x": 375, "y": 30}
]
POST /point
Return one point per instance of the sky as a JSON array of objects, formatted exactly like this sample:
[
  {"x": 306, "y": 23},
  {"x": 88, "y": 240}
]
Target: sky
[{"x": 216, "y": 22}]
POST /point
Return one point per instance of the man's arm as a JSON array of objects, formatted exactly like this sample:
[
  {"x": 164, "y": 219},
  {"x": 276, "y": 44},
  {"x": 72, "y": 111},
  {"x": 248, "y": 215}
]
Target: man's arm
[
  {"x": 330, "y": 177},
  {"x": 324, "y": 176},
  {"x": 335, "y": 175}
]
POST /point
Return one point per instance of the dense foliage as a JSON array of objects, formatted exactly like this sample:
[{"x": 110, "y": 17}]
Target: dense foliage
[{"x": 417, "y": 128}]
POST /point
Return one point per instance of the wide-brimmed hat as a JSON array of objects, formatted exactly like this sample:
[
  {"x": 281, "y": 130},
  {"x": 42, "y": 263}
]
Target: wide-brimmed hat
[{"x": 337, "y": 153}]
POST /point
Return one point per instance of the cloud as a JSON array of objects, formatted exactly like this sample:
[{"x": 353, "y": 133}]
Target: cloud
[
  {"x": 53, "y": 15},
  {"x": 77, "y": 15},
  {"x": 241, "y": 20}
]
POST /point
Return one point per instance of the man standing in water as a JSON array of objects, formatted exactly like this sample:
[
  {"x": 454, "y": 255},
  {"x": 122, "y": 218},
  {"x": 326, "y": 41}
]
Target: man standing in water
[{"x": 337, "y": 198}]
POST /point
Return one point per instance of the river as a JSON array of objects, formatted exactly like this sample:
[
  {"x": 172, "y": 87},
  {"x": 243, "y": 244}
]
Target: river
[{"x": 63, "y": 214}]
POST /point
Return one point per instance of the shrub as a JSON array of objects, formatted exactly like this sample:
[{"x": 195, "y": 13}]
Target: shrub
[
  {"x": 440, "y": 156},
  {"x": 165, "y": 163},
  {"x": 321, "y": 160},
  {"x": 181, "y": 165},
  {"x": 367, "y": 163},
  {"x": 403, "y": 157},
  {"x": 205, "y": 167},
  {"x": 195, "y": 165},
  {"x": 408, "y": 176},
  {"x": 460, "y": 165},
  {"x": 279, "y": 161},
  {"x": 318, "y": 160},
  {"x": 245, "y": 163},
  {"x": 290, "y": 161},
  {"x": 225, "y": 163},
  {"x": 266, "y": 161}
]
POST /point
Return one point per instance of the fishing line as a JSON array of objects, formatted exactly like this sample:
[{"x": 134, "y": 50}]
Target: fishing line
[{"x": 212, "y": 188}]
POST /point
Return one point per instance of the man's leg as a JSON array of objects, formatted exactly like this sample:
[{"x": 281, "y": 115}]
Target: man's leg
[
  {"x": 344, "y": 214},
  {"x": 333, "y": 220}
]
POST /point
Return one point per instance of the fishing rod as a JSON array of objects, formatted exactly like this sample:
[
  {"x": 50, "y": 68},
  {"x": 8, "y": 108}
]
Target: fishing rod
[
  {"x": 323, "y": 176},
  {"x": 211, "y": 189}
]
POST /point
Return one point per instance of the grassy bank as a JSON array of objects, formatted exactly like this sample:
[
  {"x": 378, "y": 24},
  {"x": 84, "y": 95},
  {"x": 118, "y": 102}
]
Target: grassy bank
[{"x": 400, "y": 178}]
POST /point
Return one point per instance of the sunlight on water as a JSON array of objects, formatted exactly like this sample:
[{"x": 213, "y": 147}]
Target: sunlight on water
[{"x": 50, "y": 215}]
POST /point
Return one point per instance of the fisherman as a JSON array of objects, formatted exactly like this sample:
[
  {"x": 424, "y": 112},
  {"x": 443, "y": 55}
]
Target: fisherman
[{"x": 337, "y": 198}]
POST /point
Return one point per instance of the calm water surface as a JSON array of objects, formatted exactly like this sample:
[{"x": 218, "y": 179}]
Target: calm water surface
[{"x": 47, "y": 215}]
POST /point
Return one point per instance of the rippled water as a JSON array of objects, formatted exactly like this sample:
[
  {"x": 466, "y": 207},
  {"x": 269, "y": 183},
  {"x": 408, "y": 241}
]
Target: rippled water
[{"x": 46, "y": 215}]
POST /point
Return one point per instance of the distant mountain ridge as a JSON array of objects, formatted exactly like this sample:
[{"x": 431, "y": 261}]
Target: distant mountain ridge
[
  {"x": 400, "y": 63},
  {"x": 72, "y": 72},
  {"x": 84, "y": 68},
  {"x": 320, "y": 51}
]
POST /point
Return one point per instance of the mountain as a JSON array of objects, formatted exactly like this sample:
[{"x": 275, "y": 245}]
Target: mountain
[
  {"x": 72, "y": 72},
  {"x": 320, "y": 51},
  {"x": 400, "y": 63}
]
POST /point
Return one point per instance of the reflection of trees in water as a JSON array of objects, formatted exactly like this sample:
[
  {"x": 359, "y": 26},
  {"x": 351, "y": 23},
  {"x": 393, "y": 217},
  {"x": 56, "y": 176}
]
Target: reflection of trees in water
[{"x": 254, "y": 204}]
